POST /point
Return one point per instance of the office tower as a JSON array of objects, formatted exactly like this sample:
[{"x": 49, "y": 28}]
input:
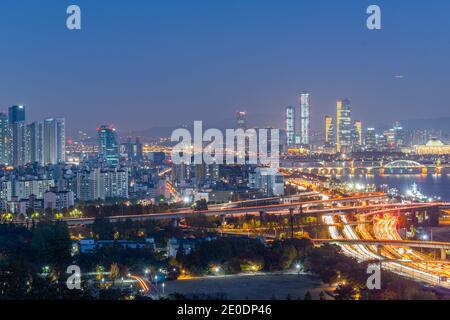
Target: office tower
[
  {"x": 357, "y": 133},
  {"x": 5, "y": 140},
  {"x": 138, "y": 150},
  {"x": 61, "y": 139},
  {"x": 290, "y": 133},
  {"x": 382, "y": 142},
  {"x": 108, "y": 148},
  {"x": 305, "y": 105},
  {"x": 330, "y": 134},
  {"x": 54, "y": 141},
  {"x": 241, "y": 118},
  {"x": 18, "y": 135},
  {"x": 132, "y": 150},
  {"x": 330, "y": 137},
  {"x": 390, "y": 138},
  {"x": 370, "y": 140},
  {"x": 343, "y": 125},
  {"x": 34, "y": 144}
]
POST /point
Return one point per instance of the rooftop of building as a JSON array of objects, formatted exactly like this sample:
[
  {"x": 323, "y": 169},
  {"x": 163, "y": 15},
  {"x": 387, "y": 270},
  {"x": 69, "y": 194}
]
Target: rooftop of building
[{"x": 434, "y": 142}]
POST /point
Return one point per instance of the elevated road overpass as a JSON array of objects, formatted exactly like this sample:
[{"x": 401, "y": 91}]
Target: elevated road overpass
[
  {"x": 377, "y": 242},
  {"x": 291, "y": 209},
  {"x": 294, "y": 207}
]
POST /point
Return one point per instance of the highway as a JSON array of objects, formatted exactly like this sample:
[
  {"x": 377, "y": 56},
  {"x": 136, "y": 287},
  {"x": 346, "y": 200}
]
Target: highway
[
  {"x": 386, "y": 242},
  {"x": 275, "y": 209},
  {"x": 366, "y": 249},
  {"x": 255, "y": 209}
]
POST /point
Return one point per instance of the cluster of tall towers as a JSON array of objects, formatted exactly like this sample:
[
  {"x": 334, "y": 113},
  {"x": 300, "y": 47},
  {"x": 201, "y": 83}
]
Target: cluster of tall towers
[
  {"x": 298, "y": 130},
  {"x": 340, "y": 132},
  {"x": 42, "y": 142}
]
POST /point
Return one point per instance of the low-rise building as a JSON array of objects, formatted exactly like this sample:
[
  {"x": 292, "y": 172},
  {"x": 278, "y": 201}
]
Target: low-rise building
[
  {"x": 188, "y": 245},
  {"x": 433, "y": 147},
  {"x": 91, "y": 245}
]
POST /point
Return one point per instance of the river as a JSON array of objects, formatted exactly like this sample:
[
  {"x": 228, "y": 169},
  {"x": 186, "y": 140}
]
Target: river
[{"x": 429, "y": 185}]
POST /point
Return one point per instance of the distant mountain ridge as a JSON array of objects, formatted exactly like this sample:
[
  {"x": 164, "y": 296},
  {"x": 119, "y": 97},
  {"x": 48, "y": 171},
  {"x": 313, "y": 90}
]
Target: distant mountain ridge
[{"x": 431, "y": 123}]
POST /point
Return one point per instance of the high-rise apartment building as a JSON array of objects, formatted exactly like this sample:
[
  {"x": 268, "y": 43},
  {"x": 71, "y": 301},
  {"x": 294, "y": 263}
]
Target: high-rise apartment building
[
  {"x": 54, "y": 141},
  {"x": 305, "y": 106},
  {"x": 16, "y": 117},
  {"x": 330, "y": 137},
  {"x": 5, "y": 139},
  {"x": 290, "y": 127},
  {"x": 101, "y": 184},
  {"x": 35, "y": 143}
]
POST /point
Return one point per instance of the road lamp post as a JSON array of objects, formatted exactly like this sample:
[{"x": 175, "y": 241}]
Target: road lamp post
[{"x": 297, "y": 267}]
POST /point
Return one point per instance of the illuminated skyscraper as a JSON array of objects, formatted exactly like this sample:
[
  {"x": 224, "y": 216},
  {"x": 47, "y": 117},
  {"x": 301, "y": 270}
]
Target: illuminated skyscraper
[
  {"x": 305, "y": 105},
  {"x": 290, "y": 133},
  {"x": 343, "y": 125},
  {"x": 330, "y": 137},
  {"x": 35, "y": 136},
  {"x": 5, "y": 140},
  {"x": 16, "y": 119},
  {"x": 399, "y": 134},
  {"x": 241, "y": 120},
  {"x": 108, "y": 147},
  {"x": 357, "y": 133},
  {"x": 371, "y": 140},
  {"x": 54, "y": 141}
]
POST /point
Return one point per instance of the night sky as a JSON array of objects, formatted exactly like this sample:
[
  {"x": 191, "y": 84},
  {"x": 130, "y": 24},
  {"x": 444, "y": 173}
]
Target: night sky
[{"x": 143, "y": 63}]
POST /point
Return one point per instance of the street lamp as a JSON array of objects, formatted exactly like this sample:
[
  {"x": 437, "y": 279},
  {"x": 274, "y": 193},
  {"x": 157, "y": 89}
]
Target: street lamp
[
  {"x": 163, "y": 286},
  {"x": 297, "y": 267}
]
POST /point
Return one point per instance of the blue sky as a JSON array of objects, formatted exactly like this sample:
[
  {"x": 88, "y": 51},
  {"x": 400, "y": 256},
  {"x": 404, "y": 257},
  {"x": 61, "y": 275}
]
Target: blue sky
[{"x": 144, "y": 63}]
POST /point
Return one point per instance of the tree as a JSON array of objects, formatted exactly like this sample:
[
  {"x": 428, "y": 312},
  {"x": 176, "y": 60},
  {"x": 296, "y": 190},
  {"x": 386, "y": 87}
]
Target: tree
[
  {"x": 322, "y": 295},
  {"x": 288, "y": 255},
  {"x": 344, "y": 292},
  {"x": 51, "y": 244},
  {"x": 307, "y": 296},
  {"x": 202, "y": 221},
  {"x": 201, "y": 205},
  {"x": 180, "y": 257},
  {"x": 102, "y": 229}
]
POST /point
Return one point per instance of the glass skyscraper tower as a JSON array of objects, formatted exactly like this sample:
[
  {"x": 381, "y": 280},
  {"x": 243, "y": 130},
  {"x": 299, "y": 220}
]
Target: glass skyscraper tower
[
  {"x": 343, "y": 125},
  {"x": 290, "y": 128},
  {"x": 18, "y": 135},
  {"x": 5, "y": 139},
  {"x": 305, "y": 105},
  {"x": 108, "y": 147}
]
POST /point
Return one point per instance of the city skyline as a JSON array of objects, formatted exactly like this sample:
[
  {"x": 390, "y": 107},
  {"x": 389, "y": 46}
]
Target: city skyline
[{"x": 214, "y": 151}]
